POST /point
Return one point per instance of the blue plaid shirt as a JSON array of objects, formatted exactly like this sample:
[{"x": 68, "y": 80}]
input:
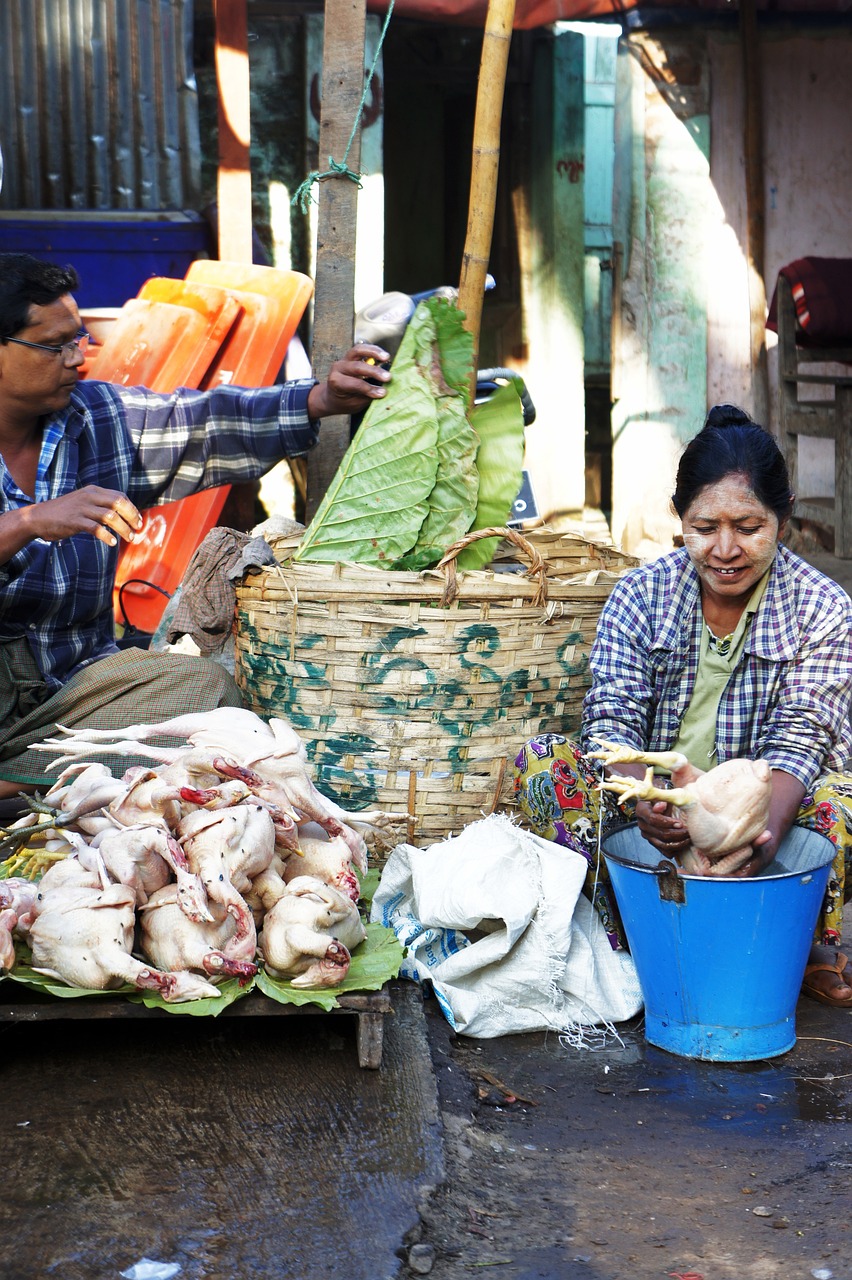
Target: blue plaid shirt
[
  {"x": 788, "y": 698},
  {"x": 153, "y": 448}
]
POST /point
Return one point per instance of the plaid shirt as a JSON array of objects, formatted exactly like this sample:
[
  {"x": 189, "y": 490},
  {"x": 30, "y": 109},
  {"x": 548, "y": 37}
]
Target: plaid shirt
[
  {"x": 153, "y": 448},
  {"x": 788, "y": 698}
]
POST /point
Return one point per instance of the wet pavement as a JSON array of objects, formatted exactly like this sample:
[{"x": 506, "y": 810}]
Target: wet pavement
[
  {"x": 237, "y": 1149},
  {"x": 626, "y": 1161},
  {"x": 259, "y": 1148}
]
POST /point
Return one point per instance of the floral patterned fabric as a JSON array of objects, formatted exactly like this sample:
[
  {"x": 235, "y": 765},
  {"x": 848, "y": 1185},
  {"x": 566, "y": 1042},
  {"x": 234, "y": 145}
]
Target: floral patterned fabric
[{"x": 556, "y": 790}]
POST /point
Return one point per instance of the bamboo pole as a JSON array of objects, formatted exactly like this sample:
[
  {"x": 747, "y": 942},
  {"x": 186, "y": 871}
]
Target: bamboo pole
[{"x": 485, "y": 164}]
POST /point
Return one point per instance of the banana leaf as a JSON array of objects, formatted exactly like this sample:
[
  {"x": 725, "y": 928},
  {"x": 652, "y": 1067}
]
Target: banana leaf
[
  {"x": 499, "y": 423},
  {"x": 379, "y": 497},
  {"x": 452, "y": 502}
]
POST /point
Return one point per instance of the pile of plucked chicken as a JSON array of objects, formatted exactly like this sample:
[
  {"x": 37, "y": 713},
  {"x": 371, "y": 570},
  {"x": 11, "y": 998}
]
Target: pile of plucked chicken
[{"x": 221, "y": 856}]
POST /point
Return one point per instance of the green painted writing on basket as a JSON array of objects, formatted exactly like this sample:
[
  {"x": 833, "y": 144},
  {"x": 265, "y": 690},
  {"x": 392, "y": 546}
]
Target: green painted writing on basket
[{"x": 279, "y": 682}]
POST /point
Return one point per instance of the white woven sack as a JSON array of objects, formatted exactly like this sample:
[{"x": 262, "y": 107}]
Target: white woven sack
[{"x": 495, "y": 920}]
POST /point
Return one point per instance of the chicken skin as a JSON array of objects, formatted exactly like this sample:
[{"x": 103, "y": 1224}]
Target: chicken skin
[{"x": 309, "y": 934}]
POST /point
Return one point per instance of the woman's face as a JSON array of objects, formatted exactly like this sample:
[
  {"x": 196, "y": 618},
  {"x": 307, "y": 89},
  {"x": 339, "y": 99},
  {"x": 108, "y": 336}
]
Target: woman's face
[{"x": 731, "y": 538}]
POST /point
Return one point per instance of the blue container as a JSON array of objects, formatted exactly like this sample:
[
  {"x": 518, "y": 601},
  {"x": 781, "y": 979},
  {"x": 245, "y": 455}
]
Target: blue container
[
  {"x": 720, "y": 960},
  {"x": 114, "y": 252}
]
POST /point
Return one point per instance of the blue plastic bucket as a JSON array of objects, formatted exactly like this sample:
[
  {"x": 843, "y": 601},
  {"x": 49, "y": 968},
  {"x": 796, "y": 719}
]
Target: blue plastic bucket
[{"x": 720, "y": 960}]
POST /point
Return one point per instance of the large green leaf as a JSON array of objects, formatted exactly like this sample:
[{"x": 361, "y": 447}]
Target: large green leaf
[
  {"x": 452, "y": 502},
  {"x": 499, "y": 423},
  {"x": 379, "y": 496}
]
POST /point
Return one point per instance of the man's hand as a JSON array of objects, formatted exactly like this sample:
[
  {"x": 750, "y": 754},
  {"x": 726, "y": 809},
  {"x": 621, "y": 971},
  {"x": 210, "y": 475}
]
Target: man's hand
[
  {"x": 349, "y": 387},
  {"x": 106, "y": 513}
]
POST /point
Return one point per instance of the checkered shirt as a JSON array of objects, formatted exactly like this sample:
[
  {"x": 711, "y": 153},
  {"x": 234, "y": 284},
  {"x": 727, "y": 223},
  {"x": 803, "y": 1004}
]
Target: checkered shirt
[
  {"x": 153, "y": 448},
  {"x": 788, "y": 698}
]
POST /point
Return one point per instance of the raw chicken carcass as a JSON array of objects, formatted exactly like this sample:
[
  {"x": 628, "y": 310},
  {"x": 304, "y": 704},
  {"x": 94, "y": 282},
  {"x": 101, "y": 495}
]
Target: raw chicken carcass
[
  {"x": 226, "y": 849},
  {"x": 135, "y": 856},
  {"x": 273, "y": 750},
  {"x": 266, "y": 889},
  {"x": 308, "y": 935},
  {"x": 171, "y": 941},
  {"x": 82, "y": 792},
  {"x": 243, "y": 835},
  {"x": 328, "y": 860},
  {"x": 724, "y": 809},
  {"x": 17, "y": 905},
  {"x": 148, "y": 801},
  {"x": 83, "y": 936}
]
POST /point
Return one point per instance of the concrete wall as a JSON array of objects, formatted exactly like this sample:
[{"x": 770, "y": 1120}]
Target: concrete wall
[
  {"x": 680, "y": 208},
  {"x": 807, "y": 112},
  {"x": 661, "y": 195}
]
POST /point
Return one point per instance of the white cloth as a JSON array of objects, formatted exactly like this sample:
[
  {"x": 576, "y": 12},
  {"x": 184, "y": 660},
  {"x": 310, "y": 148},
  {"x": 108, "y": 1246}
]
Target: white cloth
[{"x": 495, "y": 920}]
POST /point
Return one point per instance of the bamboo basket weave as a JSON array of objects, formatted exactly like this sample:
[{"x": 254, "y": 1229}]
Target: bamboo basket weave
[{"x": 413, "y": 692}]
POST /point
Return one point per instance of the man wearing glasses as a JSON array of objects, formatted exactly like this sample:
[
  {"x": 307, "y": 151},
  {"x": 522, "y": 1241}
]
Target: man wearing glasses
[{"x": 79, "y": 461}]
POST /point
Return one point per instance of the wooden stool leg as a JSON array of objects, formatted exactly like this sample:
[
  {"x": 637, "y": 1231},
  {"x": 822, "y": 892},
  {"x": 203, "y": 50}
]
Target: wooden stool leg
[
  {"x": 843, "y": 473},
  {"x": 370, "y": 1036}
]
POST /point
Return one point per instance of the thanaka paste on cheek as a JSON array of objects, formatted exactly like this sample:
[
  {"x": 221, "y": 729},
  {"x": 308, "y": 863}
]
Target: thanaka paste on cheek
[{"x": 729, "y": 506}]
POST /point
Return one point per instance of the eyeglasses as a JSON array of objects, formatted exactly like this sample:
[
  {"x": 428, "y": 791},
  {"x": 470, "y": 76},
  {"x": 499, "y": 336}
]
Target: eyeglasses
[{"x": 67, "y": 350}]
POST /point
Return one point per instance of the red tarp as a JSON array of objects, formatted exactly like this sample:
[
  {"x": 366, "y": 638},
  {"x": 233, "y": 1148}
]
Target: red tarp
[{"x": 538, "y": 13}]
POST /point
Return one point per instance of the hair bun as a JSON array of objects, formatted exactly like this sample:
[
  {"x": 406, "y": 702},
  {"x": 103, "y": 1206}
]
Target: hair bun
[{"x": 728, "y": 415}]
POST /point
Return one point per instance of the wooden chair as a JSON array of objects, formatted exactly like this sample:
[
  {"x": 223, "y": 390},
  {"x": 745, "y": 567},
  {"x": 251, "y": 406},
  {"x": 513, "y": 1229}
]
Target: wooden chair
[{"x": 801, "y": 366}]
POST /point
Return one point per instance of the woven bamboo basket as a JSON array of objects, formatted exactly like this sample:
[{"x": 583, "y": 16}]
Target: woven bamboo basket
[
  {"x": 413, "y": 692},
  {"x": 565, "y": 552}
]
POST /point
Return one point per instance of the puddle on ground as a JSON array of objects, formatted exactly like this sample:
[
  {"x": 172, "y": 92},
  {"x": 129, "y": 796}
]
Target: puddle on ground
[{"x": 745, "y": 1095}]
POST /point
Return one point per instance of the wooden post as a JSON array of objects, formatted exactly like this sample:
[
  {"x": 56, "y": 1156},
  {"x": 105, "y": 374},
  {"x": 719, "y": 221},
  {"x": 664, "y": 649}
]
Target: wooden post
[
  {"x": 334, "y": 299},
  {"x": 233, "y": 189},
  {"x": 486, "y": 159},
  {"x": 755, "y": 206}
]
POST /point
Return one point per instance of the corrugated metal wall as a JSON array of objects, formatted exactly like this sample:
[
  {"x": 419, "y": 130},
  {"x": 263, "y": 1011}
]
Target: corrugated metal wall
[{"x": 98, "y": 105}]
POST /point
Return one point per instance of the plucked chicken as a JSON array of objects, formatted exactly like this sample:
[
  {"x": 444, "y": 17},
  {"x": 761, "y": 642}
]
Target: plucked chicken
[
  {"x": 328, "y": 860},
  {"x": 17, "y": 904},
  {"x": 309, "y": 933},
  {"x": 724, "y": 810},
  {"x": 83, "y": 935},
  {"x": 171, "y": 941}
]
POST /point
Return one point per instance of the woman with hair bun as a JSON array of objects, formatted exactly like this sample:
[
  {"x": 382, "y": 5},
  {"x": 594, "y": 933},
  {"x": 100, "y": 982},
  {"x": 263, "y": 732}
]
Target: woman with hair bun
[{"x": 729, "y": 647}]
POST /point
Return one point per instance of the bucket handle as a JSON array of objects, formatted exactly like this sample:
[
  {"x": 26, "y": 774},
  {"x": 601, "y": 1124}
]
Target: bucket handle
[
  {"x": 537, "y": 567},
  {"x": 670, "y": 883}
]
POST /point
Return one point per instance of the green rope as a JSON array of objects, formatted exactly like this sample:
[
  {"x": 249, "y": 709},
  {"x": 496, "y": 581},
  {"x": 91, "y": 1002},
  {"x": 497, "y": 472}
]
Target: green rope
[{"x": 339, "y": 168}]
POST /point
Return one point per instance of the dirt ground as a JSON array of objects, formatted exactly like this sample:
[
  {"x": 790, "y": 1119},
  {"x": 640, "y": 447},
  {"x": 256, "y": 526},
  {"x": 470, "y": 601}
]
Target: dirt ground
[{"x": 629, "y": 1163}]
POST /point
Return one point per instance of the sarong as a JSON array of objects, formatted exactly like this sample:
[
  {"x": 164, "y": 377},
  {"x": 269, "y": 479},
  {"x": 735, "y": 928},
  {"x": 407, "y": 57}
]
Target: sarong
[
  {"x": 556, "y": 790},
  {"x": 133, "y": 686}
]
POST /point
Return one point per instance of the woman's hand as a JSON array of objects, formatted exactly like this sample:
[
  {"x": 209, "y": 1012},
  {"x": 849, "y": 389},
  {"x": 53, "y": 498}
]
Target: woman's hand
[
  {"x": 764, "y": 848},
  {"x": 659, "y": 826},
  {"x": 352, "y": 382}
]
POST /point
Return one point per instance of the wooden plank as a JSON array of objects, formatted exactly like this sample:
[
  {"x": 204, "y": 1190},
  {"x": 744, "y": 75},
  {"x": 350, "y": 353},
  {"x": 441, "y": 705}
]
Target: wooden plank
[
  {"x": 334, "y": 302},
  {"x": 233, "y": 190},
  {"x": 369, "y": 1009}
]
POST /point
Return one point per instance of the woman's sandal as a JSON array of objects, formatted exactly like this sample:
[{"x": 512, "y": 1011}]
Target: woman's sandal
[{"x": 825, "y": 997}]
